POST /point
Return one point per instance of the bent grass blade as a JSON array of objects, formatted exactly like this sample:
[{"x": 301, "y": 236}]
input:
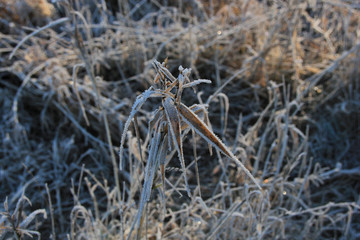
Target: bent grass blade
[
  {"x": 200, "y": 127},
  {"x": 150, "y": 169},
  {"x": 173, "y": 120},
  {"x": 140, "y": 100}
]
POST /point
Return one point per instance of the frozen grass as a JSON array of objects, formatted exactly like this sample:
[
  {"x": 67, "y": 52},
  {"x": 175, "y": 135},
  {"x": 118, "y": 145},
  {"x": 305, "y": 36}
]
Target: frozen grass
[{"x": 285, "y": 97}]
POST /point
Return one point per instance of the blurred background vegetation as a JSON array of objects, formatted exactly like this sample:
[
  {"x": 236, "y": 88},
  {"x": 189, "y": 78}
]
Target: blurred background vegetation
[{"x": 285, "y": 97}]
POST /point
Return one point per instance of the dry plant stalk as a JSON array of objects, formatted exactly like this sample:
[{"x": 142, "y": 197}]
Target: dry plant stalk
[
  {"x": 165, "y": 129},
  {"x": 17, "y": 222}
]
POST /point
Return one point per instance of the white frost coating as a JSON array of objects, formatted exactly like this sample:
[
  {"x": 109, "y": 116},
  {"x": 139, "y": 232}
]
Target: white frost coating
[
  {"x": 163, "y": 149},
  {"x": 144, "y": 192},
  {"x": 171, "y": 111},
  {"x": 140, "y": 100},
  {"x": 150, "y": 170},
  {"x": 196, "y": 82},
  {"x": 161, "y": 68},
  {"x": 154, "y": 162},
  {"x": 31, "y": 217}
]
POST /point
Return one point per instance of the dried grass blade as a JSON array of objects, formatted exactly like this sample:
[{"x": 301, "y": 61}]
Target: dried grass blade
[
  {"x": 150, "y": 170},
  {"x": 137, "y": 133},
  {"x": 196, "y": 82},
  {"x": 159, "y": 67},
  {"x": 181, "y": 79},
  {"x": 201, "y": 112},
  {"x": 31, "y": 217},
  {"x": 173, "y": 119},
  {"x": 200, "y": 127},
  {"x": 162, "y": 158},
  {"x": 140, "y": 100},
  {"x": 196, "y": 159},
  {"x": 157, "y": 116}
]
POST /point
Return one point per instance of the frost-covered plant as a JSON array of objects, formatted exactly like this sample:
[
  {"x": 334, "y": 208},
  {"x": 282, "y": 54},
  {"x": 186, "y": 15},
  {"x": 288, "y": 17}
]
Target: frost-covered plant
[
  {"x": 172, "y": 119},
  {"x": 15, "y": 223}
]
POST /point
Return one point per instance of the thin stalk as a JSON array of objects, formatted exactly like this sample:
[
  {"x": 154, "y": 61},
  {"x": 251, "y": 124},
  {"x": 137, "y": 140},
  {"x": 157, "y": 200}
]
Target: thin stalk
[{"x": 89, "y": 70}]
